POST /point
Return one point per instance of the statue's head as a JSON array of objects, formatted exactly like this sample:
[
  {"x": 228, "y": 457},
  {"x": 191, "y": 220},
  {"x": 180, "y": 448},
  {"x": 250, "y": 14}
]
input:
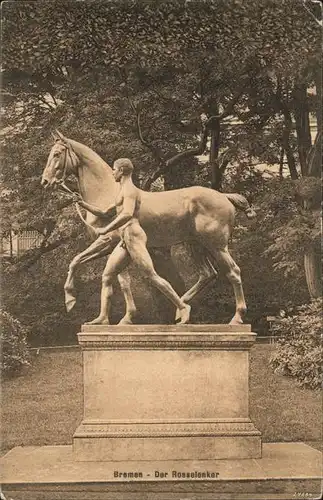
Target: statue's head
[
  {"x": 122, "y": 167},
  {"x": 61, "y": 162}
]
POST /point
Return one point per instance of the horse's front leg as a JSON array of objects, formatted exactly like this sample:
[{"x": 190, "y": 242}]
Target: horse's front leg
[{"x": 99, "y": 248}]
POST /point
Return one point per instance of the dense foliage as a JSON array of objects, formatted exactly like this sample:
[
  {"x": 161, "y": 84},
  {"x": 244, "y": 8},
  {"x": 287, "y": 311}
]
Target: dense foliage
[
  {"x": 14, "y": 345},
  {"x": 299, "y": 351}
]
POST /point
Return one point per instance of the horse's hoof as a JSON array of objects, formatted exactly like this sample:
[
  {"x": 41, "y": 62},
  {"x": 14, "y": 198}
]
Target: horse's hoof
[
  {"x": 70, "y": 299},
  {"x": 236, "y": 321},
  {"x": 70, "y": 303}
]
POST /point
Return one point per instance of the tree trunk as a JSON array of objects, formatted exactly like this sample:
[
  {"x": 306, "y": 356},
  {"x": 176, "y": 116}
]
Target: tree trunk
[
  {"x": 216, "y": 173},
  {"x": 10, "y": 244},
  {"x": 312, "y": 266},
  {"x": 286, "y": 143},
  {"x": 315, "y": 158},
  {"x": 313, "y": 167},
  {"x": 301, "y": 110},
  {"x": 318, "y": 110},
  {"x": 281, "y": 163}
]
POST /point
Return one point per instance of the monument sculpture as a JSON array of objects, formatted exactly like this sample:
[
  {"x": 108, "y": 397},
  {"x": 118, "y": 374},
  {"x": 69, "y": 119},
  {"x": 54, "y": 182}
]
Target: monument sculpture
[
  {"x": 195, "y": 405},
  {"x": 198, "y": 215}
]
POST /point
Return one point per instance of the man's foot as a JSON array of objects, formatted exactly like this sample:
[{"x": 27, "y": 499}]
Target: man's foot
[
  {"x": 183, "y": 314},
  {"x": 100, "y": 320}
]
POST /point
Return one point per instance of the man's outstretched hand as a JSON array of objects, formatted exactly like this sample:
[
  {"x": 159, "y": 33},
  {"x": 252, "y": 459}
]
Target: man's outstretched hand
[{"x": 101, "y": 231}]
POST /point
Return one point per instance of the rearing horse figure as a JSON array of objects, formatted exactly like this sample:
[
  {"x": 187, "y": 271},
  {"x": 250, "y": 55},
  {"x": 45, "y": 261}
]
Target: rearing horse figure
[{"x": 198, "y": 215}]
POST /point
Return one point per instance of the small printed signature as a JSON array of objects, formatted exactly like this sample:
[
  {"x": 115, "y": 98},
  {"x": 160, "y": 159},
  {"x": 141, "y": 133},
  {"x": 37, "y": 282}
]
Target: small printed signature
[{"x": 302, "y": 494}]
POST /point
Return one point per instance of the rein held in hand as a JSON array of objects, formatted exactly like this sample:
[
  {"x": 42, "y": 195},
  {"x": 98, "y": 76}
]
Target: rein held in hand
[{"x": 77, "y": 206}]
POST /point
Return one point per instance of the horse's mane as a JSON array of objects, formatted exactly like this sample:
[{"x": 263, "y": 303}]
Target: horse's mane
[{"x": 88, "y": 154}]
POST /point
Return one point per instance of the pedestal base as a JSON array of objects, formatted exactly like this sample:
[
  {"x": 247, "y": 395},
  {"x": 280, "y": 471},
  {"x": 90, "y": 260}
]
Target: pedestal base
[
  {"x": 285, "y": 471},
  {"x": 166, "y": 392}
]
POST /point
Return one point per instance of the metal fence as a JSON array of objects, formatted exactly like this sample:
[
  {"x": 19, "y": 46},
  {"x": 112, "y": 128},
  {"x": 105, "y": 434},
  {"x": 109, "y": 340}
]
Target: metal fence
[
  {"x": 17, "y": 244},
  {"x": 28, "y": 240}
]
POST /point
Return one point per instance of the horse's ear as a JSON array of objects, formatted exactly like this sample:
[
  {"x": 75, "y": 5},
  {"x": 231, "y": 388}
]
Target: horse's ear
[
  {"x": 55, "y": 137},
  {"x": 60, "y": 136}
]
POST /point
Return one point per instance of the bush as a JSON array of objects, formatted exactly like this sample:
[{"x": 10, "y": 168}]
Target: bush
[
  {"x": 15, "y": 352},
  {"x": 299, "y": 352}
]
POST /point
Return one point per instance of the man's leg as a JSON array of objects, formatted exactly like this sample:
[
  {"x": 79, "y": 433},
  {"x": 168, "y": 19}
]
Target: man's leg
[
  {"x": 136, "y": 246},
  {"x": 117, "y": 262},
  {"x": 131, "y": 309}
]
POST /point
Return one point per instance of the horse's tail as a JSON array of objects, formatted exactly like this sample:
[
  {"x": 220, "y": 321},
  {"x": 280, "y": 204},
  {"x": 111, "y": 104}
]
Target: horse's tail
[{"x": 241, "y": 203}]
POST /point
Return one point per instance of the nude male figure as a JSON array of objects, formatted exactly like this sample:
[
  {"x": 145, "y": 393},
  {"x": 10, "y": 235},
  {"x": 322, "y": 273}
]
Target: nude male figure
[{"x": 133, "y": 244}]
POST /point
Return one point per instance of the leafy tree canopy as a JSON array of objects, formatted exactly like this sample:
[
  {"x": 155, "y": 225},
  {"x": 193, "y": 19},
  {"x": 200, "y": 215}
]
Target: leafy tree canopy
[{"x": 88, "y": 35}]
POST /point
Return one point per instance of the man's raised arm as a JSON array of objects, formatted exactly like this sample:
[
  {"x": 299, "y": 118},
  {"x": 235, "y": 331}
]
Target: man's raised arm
[{"x": 109, "y": 212}]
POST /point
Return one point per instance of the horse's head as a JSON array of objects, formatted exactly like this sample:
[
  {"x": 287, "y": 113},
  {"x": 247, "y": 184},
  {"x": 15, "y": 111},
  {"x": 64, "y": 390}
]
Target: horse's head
[{"x": 62, "y": 161}]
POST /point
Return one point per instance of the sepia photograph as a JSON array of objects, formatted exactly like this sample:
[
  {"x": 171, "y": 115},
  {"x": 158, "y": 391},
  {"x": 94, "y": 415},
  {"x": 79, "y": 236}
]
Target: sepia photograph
[{"x": 160, "y": 247}]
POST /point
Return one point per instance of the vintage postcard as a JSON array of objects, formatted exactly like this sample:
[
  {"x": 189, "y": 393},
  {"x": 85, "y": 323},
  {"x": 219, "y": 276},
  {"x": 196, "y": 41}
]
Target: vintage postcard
[{"x": 160, "y": 250}]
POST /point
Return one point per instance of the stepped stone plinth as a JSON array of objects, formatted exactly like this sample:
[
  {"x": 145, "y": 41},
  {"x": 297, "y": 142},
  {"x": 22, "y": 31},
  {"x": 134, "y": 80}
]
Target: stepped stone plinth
[{"x": 166, "y": 392}]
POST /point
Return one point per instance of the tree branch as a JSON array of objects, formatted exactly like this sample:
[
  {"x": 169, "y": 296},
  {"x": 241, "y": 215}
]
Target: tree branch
[
  {"x": 211, "y": 122},
  {"x": 54, "y": 99},
  {"x": 199, "y": 150},
  {"x": 156, "y": 152},
  {"x": 224, "y": 160},
  {"x": 229, "y": 109},
  {"x": 44, "y": 101},
  {"x": 32, "y": 256}
]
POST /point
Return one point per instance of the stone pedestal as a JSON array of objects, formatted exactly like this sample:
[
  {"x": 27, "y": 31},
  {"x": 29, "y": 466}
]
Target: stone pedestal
[{"x": 166, "y": 393}]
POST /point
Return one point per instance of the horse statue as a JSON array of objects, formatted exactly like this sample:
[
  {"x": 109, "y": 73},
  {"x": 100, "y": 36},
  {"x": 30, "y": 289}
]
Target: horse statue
[{"x": 200, "y": 216}]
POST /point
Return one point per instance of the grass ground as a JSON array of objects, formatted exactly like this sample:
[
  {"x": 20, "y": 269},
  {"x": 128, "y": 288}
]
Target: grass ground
[{"x": 44, "y": 405}]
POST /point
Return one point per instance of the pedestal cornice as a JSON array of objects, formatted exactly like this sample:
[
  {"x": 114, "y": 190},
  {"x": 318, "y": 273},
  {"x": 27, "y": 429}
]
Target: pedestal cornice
[
  {"x": 215, "y": 427},
  {"x": 156, "y": 337}
]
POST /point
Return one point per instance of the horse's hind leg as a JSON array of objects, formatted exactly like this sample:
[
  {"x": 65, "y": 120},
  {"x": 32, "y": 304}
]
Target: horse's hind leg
[
  {"x": 208, "y": 274},
  {"x": 99, "y": 248},
  {"x": 232, "y": 272}
]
